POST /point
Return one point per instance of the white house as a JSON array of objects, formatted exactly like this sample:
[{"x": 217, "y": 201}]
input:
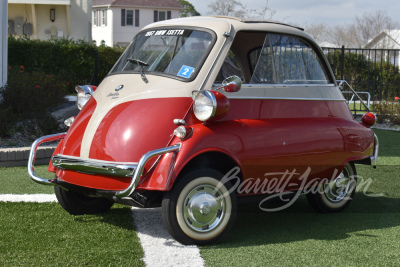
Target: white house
[
  {"x": 45, "y": 19},
  {"x": 387, "y": 39},
  {"x": 116, "y": 22}
]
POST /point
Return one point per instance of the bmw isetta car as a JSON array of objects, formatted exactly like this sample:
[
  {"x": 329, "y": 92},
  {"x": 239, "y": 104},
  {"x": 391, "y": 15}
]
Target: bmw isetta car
[{"x": 199, "y": 113}]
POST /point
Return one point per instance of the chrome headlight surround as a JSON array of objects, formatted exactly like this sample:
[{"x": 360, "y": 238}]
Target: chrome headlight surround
[
  {"x": 84, "y": 92},
  {"x": 205, "y": 105}
]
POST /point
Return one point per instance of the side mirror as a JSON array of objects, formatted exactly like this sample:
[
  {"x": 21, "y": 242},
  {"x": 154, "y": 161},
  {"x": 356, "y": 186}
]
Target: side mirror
[{"x": 232, "y": 84}]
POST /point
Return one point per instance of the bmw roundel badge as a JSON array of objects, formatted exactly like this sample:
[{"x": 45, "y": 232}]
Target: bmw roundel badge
[{"x": 119, "y": 87}]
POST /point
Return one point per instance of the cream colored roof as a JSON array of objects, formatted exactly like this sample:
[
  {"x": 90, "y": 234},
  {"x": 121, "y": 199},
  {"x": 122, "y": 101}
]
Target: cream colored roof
[{"x": 215, "y": 23}]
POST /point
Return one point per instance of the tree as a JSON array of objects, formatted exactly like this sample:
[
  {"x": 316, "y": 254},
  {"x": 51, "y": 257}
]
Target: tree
[
  {"x": 369, "y": 25},
  {"x": 188, "y": 9},
  {"x": 362, "y": 30},
  {"x": 235, "y": 8},
  {"x": 319, "y": 31}
]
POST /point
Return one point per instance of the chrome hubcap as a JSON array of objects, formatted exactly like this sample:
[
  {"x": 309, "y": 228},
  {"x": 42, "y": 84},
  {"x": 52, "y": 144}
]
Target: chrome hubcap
[
  {"x": 204, "y": 208},
  {"x": 338, "y": 189}
]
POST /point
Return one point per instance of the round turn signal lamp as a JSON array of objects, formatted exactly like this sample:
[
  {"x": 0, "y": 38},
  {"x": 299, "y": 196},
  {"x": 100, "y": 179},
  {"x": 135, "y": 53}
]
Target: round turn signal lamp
[{"x": 369, "y": 119}]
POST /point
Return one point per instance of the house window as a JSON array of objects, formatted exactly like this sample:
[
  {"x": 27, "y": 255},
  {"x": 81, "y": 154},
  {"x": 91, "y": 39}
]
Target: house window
[
  {"x": 162, "y": 15},
  {"x": 95, "y": 18},
  {"x": 104, "y": 17},
  {"x": 129, "y": 17}
]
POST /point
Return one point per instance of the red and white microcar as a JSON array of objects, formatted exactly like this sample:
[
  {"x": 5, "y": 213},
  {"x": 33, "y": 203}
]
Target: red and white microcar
[{"x": 195, "y": 101}]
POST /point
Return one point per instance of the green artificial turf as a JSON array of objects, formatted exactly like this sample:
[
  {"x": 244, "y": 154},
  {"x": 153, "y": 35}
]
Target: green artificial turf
[
  {"x": 44, "y": 234},
  {"x": 16, "y": 180},
  {"x": 367, "y": 233},
  {"x": 34, "y": 234}
]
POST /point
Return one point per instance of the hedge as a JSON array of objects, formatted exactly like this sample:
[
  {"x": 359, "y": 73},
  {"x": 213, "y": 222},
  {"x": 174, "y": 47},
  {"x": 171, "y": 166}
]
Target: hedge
[
  {"x": 40, "y": 74},
  {"x": 71, "y": 61}
]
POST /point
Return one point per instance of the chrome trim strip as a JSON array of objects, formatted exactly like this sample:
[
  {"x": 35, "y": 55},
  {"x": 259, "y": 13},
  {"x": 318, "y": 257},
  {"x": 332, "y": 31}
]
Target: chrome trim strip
[
  {"x": 273, "y": 85},
  {"x": 285, "y": 98},
  {"x": 93, "y": 166},
  {"x": 374, "y": 158},
  {"x": 202, "y": 87},
  {"x": 142, "y": 162},
  {"x": 32, "y": 155}
]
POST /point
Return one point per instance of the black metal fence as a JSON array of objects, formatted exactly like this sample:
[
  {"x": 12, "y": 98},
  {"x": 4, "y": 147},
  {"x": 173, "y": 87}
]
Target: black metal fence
[{"x": 375, "y": 71}]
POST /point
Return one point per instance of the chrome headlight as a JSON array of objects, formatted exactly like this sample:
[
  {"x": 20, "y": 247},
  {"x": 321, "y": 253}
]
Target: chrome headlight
[
  {"x": 84, "y": 92},
  {"x": 210, "y": 105},
  {"x": 205, "y": 105}
]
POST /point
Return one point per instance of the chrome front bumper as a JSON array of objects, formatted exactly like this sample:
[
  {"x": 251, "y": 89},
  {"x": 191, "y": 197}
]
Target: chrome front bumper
[{"x": 96, "y": 167}]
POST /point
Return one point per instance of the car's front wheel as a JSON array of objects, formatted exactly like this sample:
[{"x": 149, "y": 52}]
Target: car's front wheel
[
  {"x": 79, "y": 204},
  {"x": 336, "y": 195},
  {"x": 199, "y": 209}
]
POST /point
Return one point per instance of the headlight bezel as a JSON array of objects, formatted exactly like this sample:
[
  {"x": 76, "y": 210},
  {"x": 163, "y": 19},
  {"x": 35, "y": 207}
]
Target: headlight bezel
[
  {"x": 84, "y": 93},
  {"x": 218, "y": 105},
  {"x": 205, "y": 95}
]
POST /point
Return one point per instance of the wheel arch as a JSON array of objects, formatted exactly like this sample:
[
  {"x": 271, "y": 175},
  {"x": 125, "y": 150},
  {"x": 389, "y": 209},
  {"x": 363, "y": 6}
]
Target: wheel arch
[{"x": 214, "y": 159}]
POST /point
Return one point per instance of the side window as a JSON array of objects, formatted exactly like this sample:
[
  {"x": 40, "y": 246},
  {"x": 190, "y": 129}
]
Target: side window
[
  {"x": 285, "y": 59},
  {"x": 230, "y": 67}
]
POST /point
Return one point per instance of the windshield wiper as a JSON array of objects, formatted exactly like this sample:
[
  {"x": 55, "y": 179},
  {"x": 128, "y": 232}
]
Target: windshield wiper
[{"x": 142, "y": 64}]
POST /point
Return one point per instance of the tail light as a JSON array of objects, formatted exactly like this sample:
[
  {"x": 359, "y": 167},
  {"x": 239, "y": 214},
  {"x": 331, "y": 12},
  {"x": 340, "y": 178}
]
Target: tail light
[{"x": 369, "y": 119}]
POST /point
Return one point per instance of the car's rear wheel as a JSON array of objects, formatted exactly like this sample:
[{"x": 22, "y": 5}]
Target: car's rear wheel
[
  {"x": 336, "y": 195},
  {"x": 79, "y": 204},
  {"x": 199, "y": 209}
]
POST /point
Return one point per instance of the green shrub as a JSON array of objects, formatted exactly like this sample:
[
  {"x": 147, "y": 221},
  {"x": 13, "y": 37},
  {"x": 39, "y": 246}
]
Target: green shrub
[
  {"x": 381, "y": 79},
  {"x": 387, "y": 111},
  {"x": 27, "y": 99},
  {"x": 41, "y": 74},
  {"x": 71, "y": 61}
]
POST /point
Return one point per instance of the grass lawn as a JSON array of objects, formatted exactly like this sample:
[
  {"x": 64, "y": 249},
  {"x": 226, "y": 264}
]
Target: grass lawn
[
  {"x": 367, "y": 233},
  {"x": 33, "y": 234},
  {"x": 15, "y": 180}
]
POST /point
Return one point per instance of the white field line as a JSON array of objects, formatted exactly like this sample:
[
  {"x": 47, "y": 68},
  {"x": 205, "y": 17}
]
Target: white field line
[
  {"x": 160, "y": 249},
  {"x": 39, "y": 198}
]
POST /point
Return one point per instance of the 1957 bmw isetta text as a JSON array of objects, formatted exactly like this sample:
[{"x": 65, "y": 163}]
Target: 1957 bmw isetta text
[{"x": 193, "y": 103}]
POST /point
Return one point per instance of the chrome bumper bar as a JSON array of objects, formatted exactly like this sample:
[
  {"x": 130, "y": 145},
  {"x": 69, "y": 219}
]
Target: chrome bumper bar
[
  {"x": 32, "y": 155},
  {"x": 374, "y": 158},
  {"x": 92, "y": 166}
]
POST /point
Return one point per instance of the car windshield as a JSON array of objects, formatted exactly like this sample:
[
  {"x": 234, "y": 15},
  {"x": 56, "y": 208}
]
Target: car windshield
[{"x": 177, "y": 52}]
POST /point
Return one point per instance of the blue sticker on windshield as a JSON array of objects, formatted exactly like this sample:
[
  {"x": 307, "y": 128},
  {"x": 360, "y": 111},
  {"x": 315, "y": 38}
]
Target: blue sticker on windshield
[{"x": 185, "y": 71}]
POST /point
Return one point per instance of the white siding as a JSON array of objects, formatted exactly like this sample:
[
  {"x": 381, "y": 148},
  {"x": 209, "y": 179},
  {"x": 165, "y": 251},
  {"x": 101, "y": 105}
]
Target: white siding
[
  {"x": 72, "y": 18},
  {"x": 102, "y": 32},
  {"x": 115, "y": 34},
  {"x": 46, "y": 28},
  {"x": 81, "y": 19}
]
